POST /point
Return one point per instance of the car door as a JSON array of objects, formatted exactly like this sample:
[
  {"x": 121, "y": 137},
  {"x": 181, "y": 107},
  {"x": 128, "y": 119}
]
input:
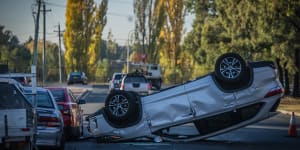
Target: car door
[
  {"x": 167, "y": 108},
  {"x": 207, "y": 99}
]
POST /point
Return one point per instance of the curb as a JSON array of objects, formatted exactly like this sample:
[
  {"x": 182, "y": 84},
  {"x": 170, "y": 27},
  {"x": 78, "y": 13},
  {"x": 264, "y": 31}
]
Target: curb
[{"x": 288, "y": 112}]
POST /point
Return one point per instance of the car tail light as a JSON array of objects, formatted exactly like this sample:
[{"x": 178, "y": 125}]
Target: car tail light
[
  {"x": 49, "y": 121},
  {"x": 149, "y": 87},
  {"x": 66, "y": 110},
  {"x": 274, "y": 91},
  {"x": 122, "y": 86},
  {"x": 25, "y": 129}
]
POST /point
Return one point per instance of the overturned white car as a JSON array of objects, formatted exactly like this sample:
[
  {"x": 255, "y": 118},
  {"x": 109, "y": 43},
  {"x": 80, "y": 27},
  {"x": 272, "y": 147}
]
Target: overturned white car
[{"x": 236, "y": 94}]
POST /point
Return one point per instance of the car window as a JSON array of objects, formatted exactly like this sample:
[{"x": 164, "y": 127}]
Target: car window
[
  {"x": 21, "y": 80},
  {"x": 59, "y": 95},
  {"x": 118, "y": 77},
  {"x": 43, "y": 100},
  {"x": 135, "y": 79},
  {"x": 10, "y": 98},
  {"x": 154, "y": 67},
  {"x": 75, "y": 73}
]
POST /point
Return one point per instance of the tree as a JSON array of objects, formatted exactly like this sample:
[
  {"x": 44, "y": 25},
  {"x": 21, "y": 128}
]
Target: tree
[
  {"x": 52, "y": 72},
  {"x": 12, "y": 52},
  {"x": 258, "y": 30},
  {"x": 95, "y": 46},
  {"x": 151, "y": 17},
  {"x": 111, "y": 45},
  {"x": 84, "y": 25},
  {"x": 140, "y": 8},
  {"x": 172, "y": 33}
]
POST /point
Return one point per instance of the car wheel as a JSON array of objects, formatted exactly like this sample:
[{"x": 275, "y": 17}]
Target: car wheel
[
  {"x": 230, "y": 67},
  {"x": 122, "y": 108}
]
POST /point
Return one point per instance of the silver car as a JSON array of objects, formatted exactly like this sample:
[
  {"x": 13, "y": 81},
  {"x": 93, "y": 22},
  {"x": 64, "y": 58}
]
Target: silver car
[
  {"x": 236, "y": 94},
  {"x": 50, "y": 121},
  {"x": 136, "y": 82},
  {"x": 115, "y": 82}
]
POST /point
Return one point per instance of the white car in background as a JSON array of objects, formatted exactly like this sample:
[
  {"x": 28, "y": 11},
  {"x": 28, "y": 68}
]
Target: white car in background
[
  {"x": 115, "y": 82},
  {"x": 136, "y": 82},
  {"x": 235, "y": 95}
]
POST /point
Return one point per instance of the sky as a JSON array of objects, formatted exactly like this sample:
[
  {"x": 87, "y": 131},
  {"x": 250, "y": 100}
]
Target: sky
[{"x": 16, "y": 16}]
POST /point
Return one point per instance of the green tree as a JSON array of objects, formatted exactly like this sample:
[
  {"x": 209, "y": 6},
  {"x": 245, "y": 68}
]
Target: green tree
[
  {"x": 151, "y": 17},
  {"x": 103, "y": 70},
  {"x": 51, "y": 59},
  {"x": 171, "y": 58},
  {"x": 111, "y": 45},
  {"x": 258, "y": 30},
  {"x": 84, "y": 25},
  {"x": 12, "y": 52}
]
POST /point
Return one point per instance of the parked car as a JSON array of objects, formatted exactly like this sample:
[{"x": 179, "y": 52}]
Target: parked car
[
  {"x": 70, "y": 108},
  {"x": 50, "y": 121},
  {"x": 135, "y": 82},
  {"x": 235, "y": 95},
  {"x": 115, "y": 82},
  {"x": 17, "y": 117},
  {"x": 77, "y": 77}
]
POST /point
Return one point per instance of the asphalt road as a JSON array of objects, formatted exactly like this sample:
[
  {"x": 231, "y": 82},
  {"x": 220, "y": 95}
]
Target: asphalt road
[{"x": 268, "y": 134}]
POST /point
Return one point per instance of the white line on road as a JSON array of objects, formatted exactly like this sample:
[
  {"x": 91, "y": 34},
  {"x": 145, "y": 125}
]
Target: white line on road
[{"x": 267, "y": 127}]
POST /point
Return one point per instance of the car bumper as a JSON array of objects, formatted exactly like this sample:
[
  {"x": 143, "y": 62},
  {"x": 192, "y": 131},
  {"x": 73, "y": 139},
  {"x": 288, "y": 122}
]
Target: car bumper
[{"x": 49, "y": 137}]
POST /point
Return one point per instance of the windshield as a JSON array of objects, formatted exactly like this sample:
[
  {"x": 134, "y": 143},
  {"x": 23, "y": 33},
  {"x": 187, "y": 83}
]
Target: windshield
[
  {"x": 43, "y": 100},
  {"x": 10, "y": 98},
  {"x": 135, "y": 80},
  {"x": 75, "y": 73},
  {"x": 59, "y": 95}
]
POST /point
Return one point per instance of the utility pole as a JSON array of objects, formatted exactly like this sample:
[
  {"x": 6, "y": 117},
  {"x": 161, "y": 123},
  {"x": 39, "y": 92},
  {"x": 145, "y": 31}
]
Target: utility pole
[
  {"x": 44, "y": 43},
  {"x": 36, "y": 34},
  {"x": 34, "y": 60},
  {"x": 59, "y": 52}
]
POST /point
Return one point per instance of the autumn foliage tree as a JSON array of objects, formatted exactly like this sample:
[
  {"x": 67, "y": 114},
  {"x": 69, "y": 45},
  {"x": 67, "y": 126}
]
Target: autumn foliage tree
[{"x": 84, "y": 25}]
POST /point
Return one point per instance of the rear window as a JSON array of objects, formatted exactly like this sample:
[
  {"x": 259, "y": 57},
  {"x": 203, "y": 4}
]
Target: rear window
[
  {"x": 10, "y": 97},
  {"x": 135, "y": 79},
  {"x": 21, "y": 80},
  {"x": 75, "y": 73},
  {"x": 118, "y": 77},
  {"x": 154, "y": 68},
  {"x": 43, "y": 100},
  {"x": 59, "y": 95}
]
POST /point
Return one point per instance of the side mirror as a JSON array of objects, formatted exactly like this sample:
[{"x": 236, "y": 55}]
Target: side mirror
[
  {"x": 108, "y": 79},
  {"x": 81, "y": 101}
]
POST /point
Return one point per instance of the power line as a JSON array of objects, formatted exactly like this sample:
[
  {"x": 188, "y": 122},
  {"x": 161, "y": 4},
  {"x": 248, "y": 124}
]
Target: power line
[{"x": 56, "y": 5}]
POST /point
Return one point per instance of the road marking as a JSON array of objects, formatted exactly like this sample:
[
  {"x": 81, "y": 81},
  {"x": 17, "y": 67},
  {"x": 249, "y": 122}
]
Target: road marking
[
  {"x": 147, "y": 143},
  {"x": 267, "y": 127}
]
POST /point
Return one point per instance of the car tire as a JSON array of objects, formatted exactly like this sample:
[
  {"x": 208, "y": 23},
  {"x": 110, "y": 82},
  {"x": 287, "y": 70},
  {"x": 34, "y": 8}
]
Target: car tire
[
  {"x": 122, "y": 108},
  {"x": 230, "y": 68}
]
